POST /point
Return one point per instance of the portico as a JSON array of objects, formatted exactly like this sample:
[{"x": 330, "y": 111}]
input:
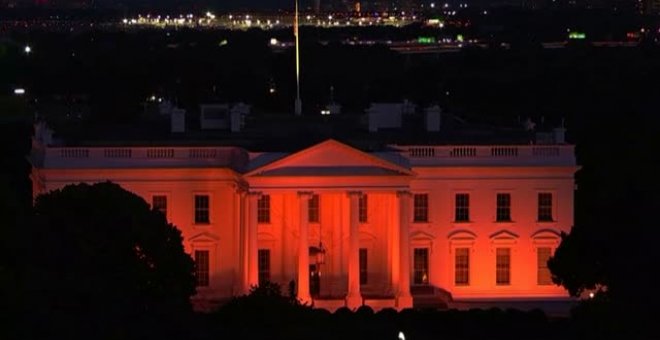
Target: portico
[{"x": 362, "y": 221}]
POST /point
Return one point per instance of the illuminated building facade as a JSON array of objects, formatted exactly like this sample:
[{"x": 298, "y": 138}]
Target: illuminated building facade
[{"x": 349, "y": 227}]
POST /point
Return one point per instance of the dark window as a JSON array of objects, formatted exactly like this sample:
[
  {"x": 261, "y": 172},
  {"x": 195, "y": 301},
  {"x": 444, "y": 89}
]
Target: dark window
[
  {"x": 503, "y": 266},
  {"x": 263, "y": 209},
  {"x": 545, "y": 206},
  {"x": 462, "y": 267},
  {"x": 462, "y": 207},
  {"x": 421, "y": 266},
  {"x": 159, "y": 202},
  {"x": 264, "y": 266},
  {"x": 421, "y": 208},
  {"x": 363, "y": 266},
  {"x": 313, "y": 209},
  {"x": 544, "y": 277},
  {"x": 363, "y": 205},
  {"x": 503, "y": 207},
  {"x": 202, "y": 268},
  {"x": 202, "y": 209}
]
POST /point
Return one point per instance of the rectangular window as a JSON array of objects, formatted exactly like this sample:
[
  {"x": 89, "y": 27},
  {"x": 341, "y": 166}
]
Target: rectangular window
[
  {"x": 313, "y": 209},
  {"x": 202, "y": 209},
  {"x": 421, "y": 208},
  {"x": 159, "y": 202},
  {"x": 462, "y": 207},
  {"x": 264, "y": 265},
  {"x": 421, "y": 266},
  {"x": 543, "y": 275},
  {"x": 503, "y": 266},
  {"x": 202, "y": 268},
  {"x": 363, "y": 266},
  {"x": 462, "y": 267},
  {"x": 362, "y": 208},
  {"x": 503, "y": 207},
  {"x": 263, "y": 209},
  {"x": 545, "y": 206}
]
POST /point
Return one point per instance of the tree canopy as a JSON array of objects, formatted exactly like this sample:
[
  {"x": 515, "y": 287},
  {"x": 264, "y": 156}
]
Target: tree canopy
[
  {"x": 100, "y": 250},
  {"x": 613, "y": 242}
]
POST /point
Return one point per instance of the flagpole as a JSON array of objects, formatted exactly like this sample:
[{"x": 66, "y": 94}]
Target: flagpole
[{"x": 298, "y": 103}]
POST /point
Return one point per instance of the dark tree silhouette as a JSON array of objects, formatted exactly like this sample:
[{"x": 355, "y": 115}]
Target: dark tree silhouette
[
  {"x": 103, "y": 263},
  {"x": 613, "y": 242},
  {"x": 578, "y": 263}
]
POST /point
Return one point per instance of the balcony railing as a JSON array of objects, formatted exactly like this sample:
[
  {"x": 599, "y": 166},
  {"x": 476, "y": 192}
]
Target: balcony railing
[
  {"x": 141, "y": 156},
  {"x": 488, "y": 154}
]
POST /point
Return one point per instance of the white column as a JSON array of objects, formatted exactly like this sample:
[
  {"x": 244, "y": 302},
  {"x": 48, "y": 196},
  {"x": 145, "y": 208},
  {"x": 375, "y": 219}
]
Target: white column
[
  {"x": 241, "y": 242},
  {"x": 354, "y": 298},
  {"x": 252, "y": 244},
  {"x": 303, "y": 248},
  {"x": 403, "y": 298}
]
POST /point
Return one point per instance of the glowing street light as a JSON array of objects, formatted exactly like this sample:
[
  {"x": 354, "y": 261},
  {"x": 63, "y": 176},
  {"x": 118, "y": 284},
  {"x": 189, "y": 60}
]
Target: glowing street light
[
  {"x": 19, "y": 91},
  {"x": 27, "y": 49}
]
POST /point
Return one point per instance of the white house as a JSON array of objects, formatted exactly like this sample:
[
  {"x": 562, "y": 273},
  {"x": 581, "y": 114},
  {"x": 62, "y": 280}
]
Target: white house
[{"x": 386, "y": 229}]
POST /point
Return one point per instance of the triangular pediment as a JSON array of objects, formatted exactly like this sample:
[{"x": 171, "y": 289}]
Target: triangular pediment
[
  {"x": 462, "y": 235},
  {"x": 204, "y": 237},
  {"x": 330, "y": 158}
]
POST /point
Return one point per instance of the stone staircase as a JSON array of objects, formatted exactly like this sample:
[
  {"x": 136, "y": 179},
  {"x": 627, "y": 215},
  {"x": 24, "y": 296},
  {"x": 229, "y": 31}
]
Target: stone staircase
[{"x": 430, "y": 297}]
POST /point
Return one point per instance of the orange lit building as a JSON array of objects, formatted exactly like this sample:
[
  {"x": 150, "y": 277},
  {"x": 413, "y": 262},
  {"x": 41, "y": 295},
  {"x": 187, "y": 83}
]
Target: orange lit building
[{"x": 387, "y": 229}]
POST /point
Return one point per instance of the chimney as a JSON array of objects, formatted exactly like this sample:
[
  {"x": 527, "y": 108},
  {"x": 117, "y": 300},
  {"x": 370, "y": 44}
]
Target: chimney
[
  {"x": 560, "y": 135},
  {"x": 178, "y": 120},
  {"x": 433, "y": 118},
  {"x": 237, "y": 116}
]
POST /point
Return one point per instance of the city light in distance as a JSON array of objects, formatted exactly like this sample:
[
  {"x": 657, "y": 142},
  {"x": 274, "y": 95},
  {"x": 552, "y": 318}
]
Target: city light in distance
[
  {"x": 19, "y": 91},
  {"x": 28, "y": 49}
]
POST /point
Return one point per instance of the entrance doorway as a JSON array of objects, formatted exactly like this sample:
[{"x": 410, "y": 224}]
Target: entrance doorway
[
  {"x": 314, "y": 280},
  {"x": 421, "y": 266}
]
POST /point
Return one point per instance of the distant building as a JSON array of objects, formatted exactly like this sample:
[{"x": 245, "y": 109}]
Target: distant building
[
  {"x": 651, "y": 7},
  {"x": 410, "y": 225}
]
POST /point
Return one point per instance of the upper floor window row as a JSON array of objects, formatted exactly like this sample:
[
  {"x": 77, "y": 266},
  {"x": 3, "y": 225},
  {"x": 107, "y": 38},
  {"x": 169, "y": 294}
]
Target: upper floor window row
[{"x": 545, "y": 204}]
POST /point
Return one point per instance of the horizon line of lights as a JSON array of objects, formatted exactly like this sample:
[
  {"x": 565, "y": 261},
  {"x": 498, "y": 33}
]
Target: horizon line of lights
[{"x": 248, "y": 20}]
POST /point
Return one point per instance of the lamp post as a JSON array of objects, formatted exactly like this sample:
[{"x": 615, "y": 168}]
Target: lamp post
[
  {"x": 320, "y": 256},
  {"x": 320, "y": 259}
]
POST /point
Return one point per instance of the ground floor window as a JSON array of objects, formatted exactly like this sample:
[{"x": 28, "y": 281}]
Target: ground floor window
[
  {"x": 462, "y": 267},
  {"x": 503, "y": 266},
  {"x": 202, "y": 268},
  {"x": 544, "y": 277},
  {"x": 363, "y": 266},
  {"x": 421, "y": 266},
  {"x": 264, "y": 265}
]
